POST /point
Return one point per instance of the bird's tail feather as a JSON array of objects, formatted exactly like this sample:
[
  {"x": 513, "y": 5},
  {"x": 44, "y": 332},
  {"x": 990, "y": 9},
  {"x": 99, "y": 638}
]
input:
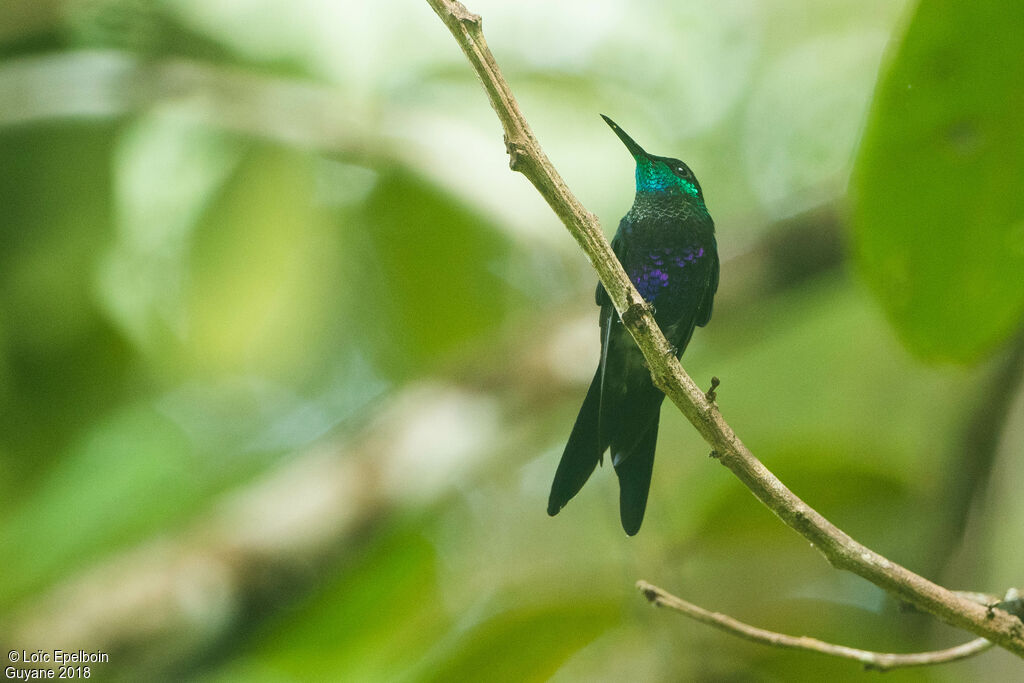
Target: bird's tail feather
[
  {"x": 582, "y": 452},
  {"x": 633, "y": 467}
]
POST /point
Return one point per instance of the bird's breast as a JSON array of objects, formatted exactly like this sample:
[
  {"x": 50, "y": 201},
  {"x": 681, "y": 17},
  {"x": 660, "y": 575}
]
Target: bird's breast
[{"x": 654, "y": 270}]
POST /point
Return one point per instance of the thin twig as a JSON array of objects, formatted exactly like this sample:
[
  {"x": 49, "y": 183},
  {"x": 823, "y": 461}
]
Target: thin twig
[
  {"x": 526, "y": 156},
  {"x": 878, "y": 661}
]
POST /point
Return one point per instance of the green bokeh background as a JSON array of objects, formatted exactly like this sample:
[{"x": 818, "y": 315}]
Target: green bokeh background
[{"x": 288, "y": 355}]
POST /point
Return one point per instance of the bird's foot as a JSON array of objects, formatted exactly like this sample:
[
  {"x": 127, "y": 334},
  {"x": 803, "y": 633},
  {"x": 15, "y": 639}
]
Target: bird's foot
[{"x": 711, "y": 395}]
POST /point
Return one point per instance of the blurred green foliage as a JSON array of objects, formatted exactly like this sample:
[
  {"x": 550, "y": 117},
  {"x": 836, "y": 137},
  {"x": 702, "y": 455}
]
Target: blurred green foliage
[
  {"x": 341, "y": 631},
  {"x": 408, "y": 334},
  {"x": 939, "y": 225},
  {"x": 240, "y": 236}
]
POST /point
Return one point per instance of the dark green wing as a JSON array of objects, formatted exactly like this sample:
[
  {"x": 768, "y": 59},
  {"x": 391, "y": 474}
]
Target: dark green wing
[{"x": 704, "y": 312}]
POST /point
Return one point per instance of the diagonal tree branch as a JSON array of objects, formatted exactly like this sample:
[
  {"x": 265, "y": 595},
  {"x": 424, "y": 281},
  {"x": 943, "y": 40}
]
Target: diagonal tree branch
[
  {"x": 842, "y": 551},
  {"x": 878, "y": 661}
]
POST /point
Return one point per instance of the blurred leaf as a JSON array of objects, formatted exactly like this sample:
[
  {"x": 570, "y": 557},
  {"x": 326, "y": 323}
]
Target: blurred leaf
[
  {"x": 427, "y": 274},
  {"x": 526, "y": 644},
  {"x": 144, "y": 274},
  {"x": 132, "y": 473},
  {"x": 938, "y": 213},
  {"x": 261, "y": 295},
  {"x": 63, "y": 361},
  {"x": 836, "y": 484},
  {"x": 147, "y": 27},
  {"x": 385, "y": 599},
  {"x": 820, "y": 365}
]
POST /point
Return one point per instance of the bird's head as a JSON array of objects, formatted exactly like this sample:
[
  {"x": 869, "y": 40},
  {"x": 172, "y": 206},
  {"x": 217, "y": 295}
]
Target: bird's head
[{"x": 656, "y": 174}]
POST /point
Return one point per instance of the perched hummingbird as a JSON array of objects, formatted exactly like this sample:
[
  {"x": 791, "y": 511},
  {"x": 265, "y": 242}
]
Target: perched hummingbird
[{"x": 666, "y": 244}]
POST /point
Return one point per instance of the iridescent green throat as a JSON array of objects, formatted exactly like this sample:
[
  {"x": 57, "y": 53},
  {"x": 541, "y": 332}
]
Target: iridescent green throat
[{"x": 655, "y": 176}]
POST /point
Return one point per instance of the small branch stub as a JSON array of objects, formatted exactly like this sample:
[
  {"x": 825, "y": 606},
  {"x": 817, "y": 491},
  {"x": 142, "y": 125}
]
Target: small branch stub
[
  {"x": 636, "y": 315},
  {"x": 460, "y": 12},
  {"x": 516, "y": 153},
  {"x": 710, "y": 395}
]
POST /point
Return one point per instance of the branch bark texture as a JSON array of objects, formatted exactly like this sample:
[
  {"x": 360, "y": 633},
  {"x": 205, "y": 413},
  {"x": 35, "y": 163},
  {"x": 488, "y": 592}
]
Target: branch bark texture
[{"x": 842, "y": 551}]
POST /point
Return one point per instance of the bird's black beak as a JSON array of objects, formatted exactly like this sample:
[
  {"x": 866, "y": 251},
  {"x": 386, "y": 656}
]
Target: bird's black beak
[{"x": 636, "y": 150}]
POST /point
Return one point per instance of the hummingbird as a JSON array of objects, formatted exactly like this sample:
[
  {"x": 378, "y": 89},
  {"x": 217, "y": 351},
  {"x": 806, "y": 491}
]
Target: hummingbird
[{"x": 666, "y": 244}]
